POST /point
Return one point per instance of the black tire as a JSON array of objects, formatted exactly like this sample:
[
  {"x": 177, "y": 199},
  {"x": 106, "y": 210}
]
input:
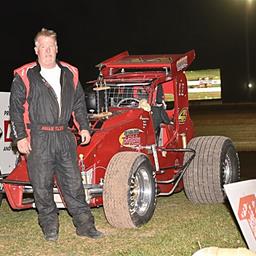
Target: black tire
[
  {"x": 129, "y": 195},
  {"x": 216, "y": 163},
  {"x": 1, "y": 192},
  {"x": 1, "y": 198}
]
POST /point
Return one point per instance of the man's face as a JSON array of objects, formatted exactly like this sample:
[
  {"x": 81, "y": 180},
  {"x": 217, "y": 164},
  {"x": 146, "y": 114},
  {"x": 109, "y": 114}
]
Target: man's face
[{"x": 46, "y": 49}]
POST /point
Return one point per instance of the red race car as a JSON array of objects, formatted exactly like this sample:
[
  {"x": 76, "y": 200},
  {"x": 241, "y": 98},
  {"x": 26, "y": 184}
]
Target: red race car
[{"x": 142, "y": 144}]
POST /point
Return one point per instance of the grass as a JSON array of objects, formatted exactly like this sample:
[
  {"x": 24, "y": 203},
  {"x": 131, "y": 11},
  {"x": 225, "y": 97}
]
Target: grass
[
  {"x": 204, "y": 73},
  {"x": 196, "y": 74},
  {"x": 178, "y": 228},
  {"x": 204, "y": 95}
]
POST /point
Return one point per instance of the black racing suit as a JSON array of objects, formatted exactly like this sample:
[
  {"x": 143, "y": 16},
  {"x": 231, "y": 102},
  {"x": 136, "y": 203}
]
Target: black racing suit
[{"x": 53, "y": 152}]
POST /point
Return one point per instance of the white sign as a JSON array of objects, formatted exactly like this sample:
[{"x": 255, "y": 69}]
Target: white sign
[
  {"x": 8, "y": 156},
  {"x": 182, "y": 63},
  {"x": 242, "y": 197}
]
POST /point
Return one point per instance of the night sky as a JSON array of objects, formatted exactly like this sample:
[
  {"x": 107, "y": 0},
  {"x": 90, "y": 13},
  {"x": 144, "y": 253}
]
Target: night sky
[{"x": 91, "y": 31}]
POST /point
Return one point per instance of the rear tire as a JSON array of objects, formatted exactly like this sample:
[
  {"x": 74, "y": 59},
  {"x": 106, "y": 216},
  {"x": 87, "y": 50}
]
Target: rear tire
[
  {"x": 216, "y": 163},
  {"x": 129, "y": 195},
  {"x": 1, "y": 191},
  {"x": 1, "y": 198}
]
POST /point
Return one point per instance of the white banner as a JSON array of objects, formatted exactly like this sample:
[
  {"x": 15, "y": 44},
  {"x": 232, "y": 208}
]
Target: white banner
[
  {"x": 242, "y": 197},
  {"x": 8, "y": 156}
]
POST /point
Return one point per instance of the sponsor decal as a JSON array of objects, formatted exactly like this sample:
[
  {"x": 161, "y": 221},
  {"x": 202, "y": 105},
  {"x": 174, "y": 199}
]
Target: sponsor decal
[
  {"x": 183, "y": 115},
  {"x": 8, "y": 155},
  {"x": 148, "y": 59},
  {"x": 160, "y": 60},
  {"x": 130, "y": 138},
  {"x": 182, "y": 63},
  {"x": 7, "y": 131},
  {"x": 247, "y": 211},
  {"x": 242, "y": 198}
]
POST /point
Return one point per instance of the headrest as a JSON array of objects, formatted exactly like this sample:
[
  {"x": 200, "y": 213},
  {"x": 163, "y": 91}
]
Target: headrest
[{"x": 159, "y": 94}]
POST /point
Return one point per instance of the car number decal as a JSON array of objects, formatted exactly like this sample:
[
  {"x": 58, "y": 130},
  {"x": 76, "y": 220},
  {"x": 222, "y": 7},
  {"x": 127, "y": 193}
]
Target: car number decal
[
  {"x": 183, "y": 115},
  {"x": 130, "y": 137}
]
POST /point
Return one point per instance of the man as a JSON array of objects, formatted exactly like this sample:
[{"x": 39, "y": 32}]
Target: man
[{"x": 44, "y": 96}]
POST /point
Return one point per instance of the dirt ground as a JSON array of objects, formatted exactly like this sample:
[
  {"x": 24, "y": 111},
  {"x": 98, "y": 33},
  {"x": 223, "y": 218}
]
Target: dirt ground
[
  {"x": 248, "y": 164},
  {"x": 237, "y": 121}
]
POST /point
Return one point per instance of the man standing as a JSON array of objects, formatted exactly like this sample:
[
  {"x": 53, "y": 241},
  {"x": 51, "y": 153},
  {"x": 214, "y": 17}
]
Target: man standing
[{"x": 44, "y": 96}]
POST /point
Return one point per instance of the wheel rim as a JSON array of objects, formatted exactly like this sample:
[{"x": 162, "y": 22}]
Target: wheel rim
[
  {"x": 227, "y": 170},
  {"x": 1, "y": 184},
  {"x": 140, "y": 192}
]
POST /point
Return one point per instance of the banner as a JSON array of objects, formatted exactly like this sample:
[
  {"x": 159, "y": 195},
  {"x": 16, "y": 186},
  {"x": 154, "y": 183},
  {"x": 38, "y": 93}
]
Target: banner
[
  {"x": 242, "y": 198},
  {"x": 8, "y": 156}
]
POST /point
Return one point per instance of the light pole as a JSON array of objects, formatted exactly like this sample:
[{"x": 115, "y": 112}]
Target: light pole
[
  {"x": 249, "y": 82},
  {"x": 247, "y": 46}
]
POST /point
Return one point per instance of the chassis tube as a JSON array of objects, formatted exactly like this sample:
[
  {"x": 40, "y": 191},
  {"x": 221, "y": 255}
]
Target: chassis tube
[{"x": 180, "y": 174}]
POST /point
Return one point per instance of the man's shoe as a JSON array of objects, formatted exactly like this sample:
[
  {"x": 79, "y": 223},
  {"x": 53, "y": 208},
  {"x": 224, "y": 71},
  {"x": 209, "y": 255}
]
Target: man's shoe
[
  {"x": 51, "y": 235},
  {"x": 91, "y": 232}
]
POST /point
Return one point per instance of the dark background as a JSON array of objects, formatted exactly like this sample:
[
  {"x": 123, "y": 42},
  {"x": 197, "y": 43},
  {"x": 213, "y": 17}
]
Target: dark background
[{"x": 222, "y": 32}]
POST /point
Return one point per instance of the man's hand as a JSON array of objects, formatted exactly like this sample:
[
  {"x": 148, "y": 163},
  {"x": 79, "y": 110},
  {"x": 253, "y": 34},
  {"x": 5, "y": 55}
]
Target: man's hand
[
  {"x": 24, "y": 146},
  {"x": 85, "y": 137}
]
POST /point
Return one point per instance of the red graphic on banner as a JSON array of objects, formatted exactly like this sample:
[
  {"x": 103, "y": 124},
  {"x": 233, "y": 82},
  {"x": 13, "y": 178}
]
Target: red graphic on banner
[
  {"x": 7, "y": 127},
  {"x": 247, "y": 211}
]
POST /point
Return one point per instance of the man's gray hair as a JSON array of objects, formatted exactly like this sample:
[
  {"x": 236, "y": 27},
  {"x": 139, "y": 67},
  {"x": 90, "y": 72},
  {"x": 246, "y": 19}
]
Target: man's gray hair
[{"x": 45, "y": 32}]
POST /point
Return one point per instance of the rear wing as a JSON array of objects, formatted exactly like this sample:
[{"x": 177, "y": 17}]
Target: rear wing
[{"x": 173, "y": 62}]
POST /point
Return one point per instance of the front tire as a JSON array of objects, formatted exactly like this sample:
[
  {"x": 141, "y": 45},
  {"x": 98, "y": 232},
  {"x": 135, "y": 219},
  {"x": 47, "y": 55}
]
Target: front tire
[
  {"x": 1, "y": 198},
  {"x": 216, "y": 163},
  {"x": 129, "y": 195},
  {"x": 1, "y": 191}
]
